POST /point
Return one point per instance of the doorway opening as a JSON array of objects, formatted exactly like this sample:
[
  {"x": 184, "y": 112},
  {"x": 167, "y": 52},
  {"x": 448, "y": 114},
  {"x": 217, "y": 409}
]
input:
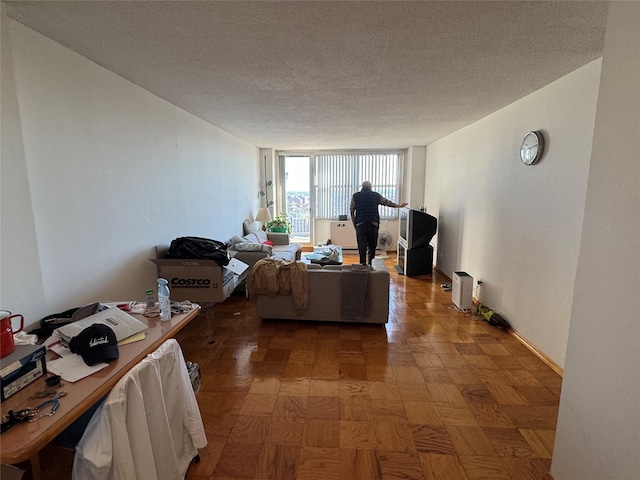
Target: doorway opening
[{"x": 297, "y": 197}]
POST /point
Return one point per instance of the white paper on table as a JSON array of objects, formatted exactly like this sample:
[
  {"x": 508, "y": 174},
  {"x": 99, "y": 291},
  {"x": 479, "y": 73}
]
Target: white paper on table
[
  {"x": 72, "y": 367},
  {"x": 54, "y": 343}
]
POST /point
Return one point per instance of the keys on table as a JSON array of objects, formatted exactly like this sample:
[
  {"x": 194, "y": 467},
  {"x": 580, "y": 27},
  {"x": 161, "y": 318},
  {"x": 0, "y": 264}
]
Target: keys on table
[{"x": 31, "y": 414}]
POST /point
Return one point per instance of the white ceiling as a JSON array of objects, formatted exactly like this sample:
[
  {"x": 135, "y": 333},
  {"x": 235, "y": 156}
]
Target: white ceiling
[{"x": 349, "y": 74}]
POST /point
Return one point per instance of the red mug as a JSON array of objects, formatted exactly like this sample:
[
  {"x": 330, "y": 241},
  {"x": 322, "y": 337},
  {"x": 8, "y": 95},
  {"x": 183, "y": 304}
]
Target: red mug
[{"x": 7, "y": 345}]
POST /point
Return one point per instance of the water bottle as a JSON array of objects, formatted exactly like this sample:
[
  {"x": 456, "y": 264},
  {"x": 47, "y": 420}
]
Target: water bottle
[{"x": 163, "y": 299}]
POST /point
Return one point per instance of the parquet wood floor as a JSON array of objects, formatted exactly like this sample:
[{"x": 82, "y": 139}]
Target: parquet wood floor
[{"x": 434, "y": 394}]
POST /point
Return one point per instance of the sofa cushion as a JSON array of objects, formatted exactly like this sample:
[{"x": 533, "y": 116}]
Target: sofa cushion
[
  {"x": 251, "y": 247},
  {"x": 333, "y": 267},
  {"x": 250, "y": 238},
  {"x": 286, "y": 252},
  {"x": 260, "y": 235},
  {"x": 278, "y": 238},
  {"x": 255, "y": 236},
  {"x": 247, "y": 226}
]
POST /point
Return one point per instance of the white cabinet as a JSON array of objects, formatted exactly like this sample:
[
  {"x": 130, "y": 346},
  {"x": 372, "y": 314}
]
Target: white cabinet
[{"x": 343, "y": 234}]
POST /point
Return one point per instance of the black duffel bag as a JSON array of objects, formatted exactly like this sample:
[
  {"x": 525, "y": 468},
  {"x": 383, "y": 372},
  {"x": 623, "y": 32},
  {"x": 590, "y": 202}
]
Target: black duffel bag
[{"x": 199, "y": 248}]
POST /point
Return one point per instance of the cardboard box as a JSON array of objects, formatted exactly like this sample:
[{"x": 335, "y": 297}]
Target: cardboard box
[
  {"x": 21, "y": 367},
  {"x": 196, "y": 280}
]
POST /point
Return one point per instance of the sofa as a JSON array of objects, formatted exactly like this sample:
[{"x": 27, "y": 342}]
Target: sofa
[
  {"x": 251, "y": 247},
  {"x": 325, "y": 296}
]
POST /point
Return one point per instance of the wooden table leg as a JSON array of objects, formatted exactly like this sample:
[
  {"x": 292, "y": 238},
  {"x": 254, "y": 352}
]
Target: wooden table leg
[{"x": 36, "y": 473}]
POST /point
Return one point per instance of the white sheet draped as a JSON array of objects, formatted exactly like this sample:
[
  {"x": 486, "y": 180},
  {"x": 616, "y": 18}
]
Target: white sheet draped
[{"x": 149, "y": 426}]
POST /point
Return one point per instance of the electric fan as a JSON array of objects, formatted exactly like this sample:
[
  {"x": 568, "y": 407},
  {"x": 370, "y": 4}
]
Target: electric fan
[{"x": 385, "y": 241}]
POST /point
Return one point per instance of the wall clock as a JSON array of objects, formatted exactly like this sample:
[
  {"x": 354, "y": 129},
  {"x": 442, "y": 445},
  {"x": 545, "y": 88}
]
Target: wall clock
[{"x": 532, "y": 147}]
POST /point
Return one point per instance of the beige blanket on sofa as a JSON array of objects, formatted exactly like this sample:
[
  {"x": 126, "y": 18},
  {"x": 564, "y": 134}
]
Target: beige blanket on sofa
[{"x": 270, "y": 276}]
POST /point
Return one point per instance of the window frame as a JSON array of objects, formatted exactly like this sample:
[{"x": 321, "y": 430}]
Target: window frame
[{"x": 386, "y": 213}]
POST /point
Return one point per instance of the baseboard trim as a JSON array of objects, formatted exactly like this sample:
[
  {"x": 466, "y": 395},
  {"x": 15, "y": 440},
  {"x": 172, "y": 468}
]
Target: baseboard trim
[
  {"x": 436, "y": 269},
  {"x": 541, "y": 355},
  {"x": 538, "y": 353}
]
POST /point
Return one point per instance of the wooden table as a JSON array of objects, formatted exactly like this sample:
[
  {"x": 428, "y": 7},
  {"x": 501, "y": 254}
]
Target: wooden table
[{"x": 24, "y": 441}]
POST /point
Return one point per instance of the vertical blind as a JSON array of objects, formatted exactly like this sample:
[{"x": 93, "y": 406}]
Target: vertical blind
[{"x": 337, "y": 176}]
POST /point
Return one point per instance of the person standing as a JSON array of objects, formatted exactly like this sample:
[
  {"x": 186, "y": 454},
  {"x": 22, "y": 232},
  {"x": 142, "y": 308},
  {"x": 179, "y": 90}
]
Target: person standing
[{"x": 366, "y": 219}]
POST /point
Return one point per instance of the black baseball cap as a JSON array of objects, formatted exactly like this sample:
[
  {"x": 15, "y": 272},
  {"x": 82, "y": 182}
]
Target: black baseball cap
[{"x": 96, "y": 343}]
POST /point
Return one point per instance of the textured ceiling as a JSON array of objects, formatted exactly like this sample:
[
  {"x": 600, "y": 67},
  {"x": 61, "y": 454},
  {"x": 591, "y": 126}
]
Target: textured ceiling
[{"x": 350, "y": 74}]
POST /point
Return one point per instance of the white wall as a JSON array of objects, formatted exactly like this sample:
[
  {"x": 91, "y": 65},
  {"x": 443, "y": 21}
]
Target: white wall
[
  {"x": 414, "y": 177},
  {"x": 97, "y": 171},
  {"x": 514, "y": 227},
  {"x": 598, "y": 431}
]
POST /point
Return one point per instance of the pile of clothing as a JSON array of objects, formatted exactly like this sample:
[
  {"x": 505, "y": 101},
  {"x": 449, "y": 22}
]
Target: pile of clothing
[{"x": 270, "y": 276}]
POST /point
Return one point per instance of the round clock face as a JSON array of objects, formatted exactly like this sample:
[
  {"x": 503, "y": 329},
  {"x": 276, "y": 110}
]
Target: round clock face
[{"x": 531, "y": 148}]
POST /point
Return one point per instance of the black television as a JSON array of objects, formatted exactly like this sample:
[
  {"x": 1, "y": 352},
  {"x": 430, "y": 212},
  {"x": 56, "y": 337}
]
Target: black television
[{"x": 416, "y": 228}]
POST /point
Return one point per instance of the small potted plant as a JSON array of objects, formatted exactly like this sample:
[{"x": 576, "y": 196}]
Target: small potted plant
[{"x": 280, "y": 224}]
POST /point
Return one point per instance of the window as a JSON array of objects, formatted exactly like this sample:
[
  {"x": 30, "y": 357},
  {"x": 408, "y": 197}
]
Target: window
[
  {"x": 319, "y": 185},
  {"x": 337, "y": 176}
]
